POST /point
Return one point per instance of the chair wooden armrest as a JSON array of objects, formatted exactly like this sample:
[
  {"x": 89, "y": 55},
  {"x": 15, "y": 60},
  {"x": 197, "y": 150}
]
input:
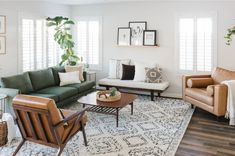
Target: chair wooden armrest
[{"x": 71, "y": 117}]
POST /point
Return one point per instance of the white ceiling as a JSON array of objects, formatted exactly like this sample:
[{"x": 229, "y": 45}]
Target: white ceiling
[{"x": 79, "y": 2}]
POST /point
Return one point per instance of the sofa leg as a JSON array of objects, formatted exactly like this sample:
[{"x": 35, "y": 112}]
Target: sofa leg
[
  {"x": 152, "y": 95},
  {"x": 192, "y": 106}
]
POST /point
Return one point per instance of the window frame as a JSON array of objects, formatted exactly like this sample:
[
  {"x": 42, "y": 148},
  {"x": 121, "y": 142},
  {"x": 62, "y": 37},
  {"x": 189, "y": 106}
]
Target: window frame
[
  {"x": 88, "y": 18},
  {"x": 195, "y": 16}
]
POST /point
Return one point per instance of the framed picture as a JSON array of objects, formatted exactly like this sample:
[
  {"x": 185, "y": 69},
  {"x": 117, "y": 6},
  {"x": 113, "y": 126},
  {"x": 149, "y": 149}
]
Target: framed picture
[
  {"x": 2, "y": 24},
  {"x": 137, "y": 32},
  {"x": 2, "y": 45},
  {"x": 124, "y": 36},
  {"x": 150, "y": 37}
]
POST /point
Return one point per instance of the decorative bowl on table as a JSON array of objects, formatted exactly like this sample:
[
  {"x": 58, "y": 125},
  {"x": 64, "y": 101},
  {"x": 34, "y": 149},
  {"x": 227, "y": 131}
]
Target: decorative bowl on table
[{"x": 108, "y": 96}]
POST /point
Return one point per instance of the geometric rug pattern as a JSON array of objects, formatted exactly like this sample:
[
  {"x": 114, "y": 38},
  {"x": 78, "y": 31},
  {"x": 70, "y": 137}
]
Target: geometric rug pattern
[{"x": 155, "y": 129}]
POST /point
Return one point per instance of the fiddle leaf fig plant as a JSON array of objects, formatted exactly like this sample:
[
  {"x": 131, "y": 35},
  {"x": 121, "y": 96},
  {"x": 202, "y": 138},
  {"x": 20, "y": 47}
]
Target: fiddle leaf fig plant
[
  {"x": 63, "y": 36},
  {"x": 230, "y": 35}
]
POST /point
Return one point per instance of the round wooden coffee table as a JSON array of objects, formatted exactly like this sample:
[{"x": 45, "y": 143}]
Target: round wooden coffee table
[{"x": 110, "y": 108}]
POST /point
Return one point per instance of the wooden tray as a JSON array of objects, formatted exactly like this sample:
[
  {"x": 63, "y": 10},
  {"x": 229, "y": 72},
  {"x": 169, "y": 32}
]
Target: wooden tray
[{"x": 106, "y": 98}]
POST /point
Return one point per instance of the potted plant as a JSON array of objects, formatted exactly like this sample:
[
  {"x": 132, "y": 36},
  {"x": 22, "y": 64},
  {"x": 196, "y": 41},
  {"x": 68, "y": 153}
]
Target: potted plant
[
  {"x": 230, "y": 35},
  {"x": 63, "y": 36}
]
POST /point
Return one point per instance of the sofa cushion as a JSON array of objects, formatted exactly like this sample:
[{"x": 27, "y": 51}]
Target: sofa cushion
[
  {"x": 84, "y": 86},
  {"x": 200, "y": 94},
  {"x": 199, "y": 82},
  {"x": 50, "y": 96},
  {"x": 56, "y": 70},
  {"x": 134, "y": 84},
  {"x": 21, "y": 82},
  {"x": 42, "y": 78},
  {"x": 220, "y": 74},
  {"x": 62, "y": 92}
]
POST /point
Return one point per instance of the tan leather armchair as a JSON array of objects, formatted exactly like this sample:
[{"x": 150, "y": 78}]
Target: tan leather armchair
[
  {"x": 41, "y": 122},
  {"x": 207, "y": 92}
]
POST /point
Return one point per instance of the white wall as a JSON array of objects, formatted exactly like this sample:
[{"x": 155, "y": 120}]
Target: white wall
[
  {"x": 160, "y": 16},
  {"x": 8, "y": 61}
]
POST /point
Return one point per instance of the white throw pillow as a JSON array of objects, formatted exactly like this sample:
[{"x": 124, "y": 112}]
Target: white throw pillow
[
  {"x": 140, "y": 74},
  {"x": 69, "y": 78},
  {"x": 115, "y": 68}
]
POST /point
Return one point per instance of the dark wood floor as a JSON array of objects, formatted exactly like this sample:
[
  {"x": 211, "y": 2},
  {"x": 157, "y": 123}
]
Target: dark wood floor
[{"x": 205, "y": 136}]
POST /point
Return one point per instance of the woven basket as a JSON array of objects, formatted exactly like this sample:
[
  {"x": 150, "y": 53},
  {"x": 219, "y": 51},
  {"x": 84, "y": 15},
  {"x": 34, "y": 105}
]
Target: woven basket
[
  {"x": 3, "y": 133},
  {"x": 102, "y": 96}
]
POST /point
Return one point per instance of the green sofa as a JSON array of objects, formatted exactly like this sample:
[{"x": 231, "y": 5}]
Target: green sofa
[{"x": 44, "y": 83}]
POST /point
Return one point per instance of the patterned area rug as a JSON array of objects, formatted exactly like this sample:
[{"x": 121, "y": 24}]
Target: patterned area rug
[{"x": 155, "y": 129}]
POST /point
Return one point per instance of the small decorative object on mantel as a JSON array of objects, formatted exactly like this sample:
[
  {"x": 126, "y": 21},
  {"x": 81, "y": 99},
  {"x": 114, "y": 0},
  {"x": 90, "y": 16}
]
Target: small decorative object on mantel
[
  {"x": 2, "y": 24},
  {"x": 230, "y": 35},
  {"x": 2, "y": 45},
  {"x": 150, "y": 37},
  {"x": 137, "y": 32},
  {"x": 108, "y": 95},
  {"x": 124, "y": 36}
]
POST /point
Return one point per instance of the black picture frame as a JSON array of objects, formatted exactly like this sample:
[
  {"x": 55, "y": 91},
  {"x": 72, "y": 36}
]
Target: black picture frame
[
  {"x": 124, "y": 33},
  {"x": 152, "y": 41},
  {"x": 137, "y": 32}
]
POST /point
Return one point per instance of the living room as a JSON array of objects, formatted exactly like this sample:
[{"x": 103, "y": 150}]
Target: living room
[{"x": 142, "y": 77}]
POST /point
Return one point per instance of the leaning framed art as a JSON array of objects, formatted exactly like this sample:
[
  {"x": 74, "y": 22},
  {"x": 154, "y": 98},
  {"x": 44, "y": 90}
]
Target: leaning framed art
[
  {"x": 150, "y": 37},
  {"x": 137, "y": 32},
  {"x": 2, "y": 45},
  {"x": 2, "y": 24},
  {"x": 124, "y": 36}
]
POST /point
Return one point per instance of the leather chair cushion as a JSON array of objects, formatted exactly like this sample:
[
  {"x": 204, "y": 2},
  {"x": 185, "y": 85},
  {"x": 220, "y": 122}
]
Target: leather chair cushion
[
  {"x": 82, "y": 87},
  {"x": 199, "y": 82},
  {"x": 68, "y": 127},
  {"x": 220, "y": 74},
  {"x": 210, "y": 90},
  {"x": 62, "y": 92},
  {"x": 200, "y": 94}
]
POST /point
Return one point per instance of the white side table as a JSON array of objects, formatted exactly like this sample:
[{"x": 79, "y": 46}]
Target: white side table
[{"x": 3, "y": 99}]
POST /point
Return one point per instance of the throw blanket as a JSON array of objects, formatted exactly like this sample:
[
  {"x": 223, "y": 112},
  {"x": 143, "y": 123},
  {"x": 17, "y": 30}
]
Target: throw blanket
[
  {"x": 13, "y": 130},
  {"x": 230, "y": 101}
]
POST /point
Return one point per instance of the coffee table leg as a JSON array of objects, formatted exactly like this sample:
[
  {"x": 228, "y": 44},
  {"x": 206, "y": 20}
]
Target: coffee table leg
[
  {"x": 83, "y": 105},
  {"x": 117, "y": 116},
  {"x": 131, "y": 108}
]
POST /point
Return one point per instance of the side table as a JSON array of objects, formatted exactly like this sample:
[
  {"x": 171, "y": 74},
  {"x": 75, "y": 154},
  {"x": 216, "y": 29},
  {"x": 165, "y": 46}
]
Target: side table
[
  {"x": 91, "y": 75},
  {"x": 3, "y": 99}
]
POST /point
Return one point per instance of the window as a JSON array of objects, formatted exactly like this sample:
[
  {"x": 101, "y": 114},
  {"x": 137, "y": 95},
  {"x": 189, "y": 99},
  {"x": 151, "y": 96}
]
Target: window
[
  {"x": 196, "y": 40},
  {"x": 38, "y": 48},
  {"x": 89, "y": 42}
]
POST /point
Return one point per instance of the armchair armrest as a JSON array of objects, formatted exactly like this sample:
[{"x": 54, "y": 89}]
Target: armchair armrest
[
  {"x": 77, "y": 115},
  {"x": 220, "y": 99},
  {"x": 185, "y": 79}
]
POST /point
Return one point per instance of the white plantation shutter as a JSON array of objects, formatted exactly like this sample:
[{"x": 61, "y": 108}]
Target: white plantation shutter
[
  {"x": 88, "y": 41},
  {"x": 39, "y": 50},
  {"x": 204, "y": 44},
  {"x": 186, "y": 43},
  {"x": 196, "y": 52}
]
